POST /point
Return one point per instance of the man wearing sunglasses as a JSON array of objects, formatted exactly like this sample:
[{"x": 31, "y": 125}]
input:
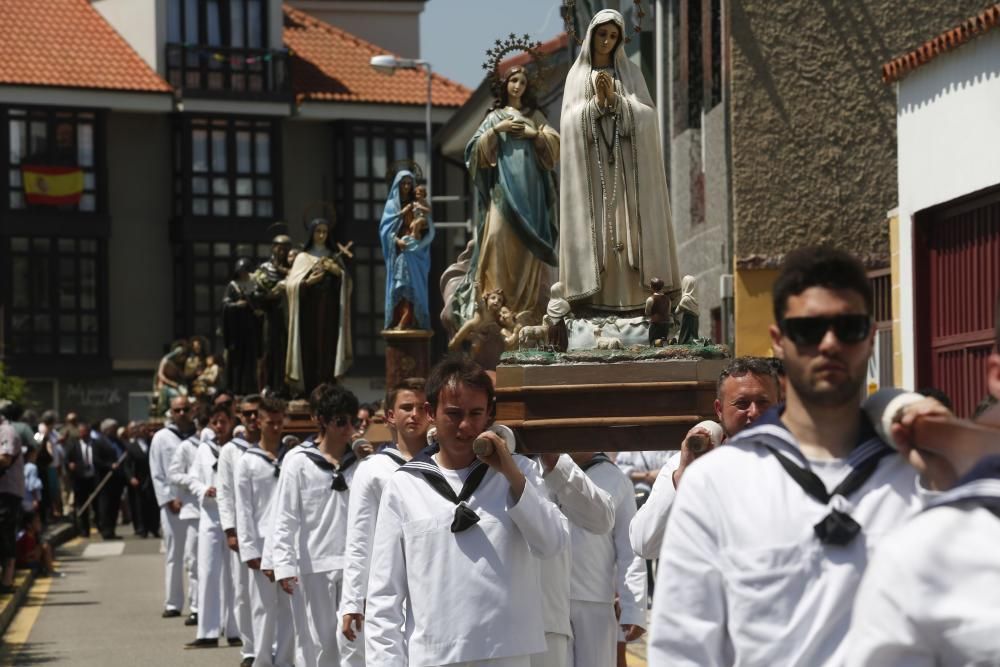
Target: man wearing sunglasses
[
  {"x": 177, "y": 528},
  {"x": 310, "y": 526},
  {"x": 229, "y": 456},
  {"x": 769, "y": 536}
]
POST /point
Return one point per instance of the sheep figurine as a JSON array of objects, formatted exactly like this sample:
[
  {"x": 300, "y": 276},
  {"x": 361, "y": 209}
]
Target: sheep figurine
[
  {"x": 606, "y": 342},
  {"x": 533, "y": 337}
]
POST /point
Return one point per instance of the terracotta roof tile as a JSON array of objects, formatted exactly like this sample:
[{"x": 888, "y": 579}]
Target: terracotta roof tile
[
  {"x": 328, "y": 64},
  {"x": 68, "y": 43},
  {"x": 896, "y": 69}
]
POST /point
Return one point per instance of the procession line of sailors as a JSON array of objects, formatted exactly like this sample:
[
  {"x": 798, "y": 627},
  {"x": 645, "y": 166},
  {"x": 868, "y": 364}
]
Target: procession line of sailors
[
  {"x": 434, "y": 556},
  {"x": 306, "y": 527}
]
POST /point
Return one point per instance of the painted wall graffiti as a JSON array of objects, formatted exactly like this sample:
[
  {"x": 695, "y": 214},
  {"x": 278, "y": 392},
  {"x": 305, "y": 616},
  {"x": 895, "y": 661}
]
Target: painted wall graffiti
[{"x": 92, "y": 396}]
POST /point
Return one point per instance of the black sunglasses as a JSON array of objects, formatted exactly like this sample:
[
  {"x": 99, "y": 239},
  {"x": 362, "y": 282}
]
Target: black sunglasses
[
  {"x": 810, "y": 330},
  {"x": 343, "y": 420},
  {"x": 249, "y": 413},
  {"x": 180, "y": 410}
]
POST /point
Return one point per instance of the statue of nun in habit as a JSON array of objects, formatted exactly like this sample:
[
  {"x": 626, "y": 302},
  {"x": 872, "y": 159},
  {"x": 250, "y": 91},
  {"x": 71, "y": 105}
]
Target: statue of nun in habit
[
  {"x": 616, "y": 231},
  {"x": 319, "y": 313}
]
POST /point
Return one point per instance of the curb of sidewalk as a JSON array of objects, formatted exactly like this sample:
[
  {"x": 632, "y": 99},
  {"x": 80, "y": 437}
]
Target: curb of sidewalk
[{"x": 10, "y": 603}]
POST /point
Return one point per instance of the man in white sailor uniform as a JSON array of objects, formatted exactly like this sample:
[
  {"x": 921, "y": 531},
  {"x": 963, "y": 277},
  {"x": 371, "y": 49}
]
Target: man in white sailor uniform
[
  {"x": 226, "y": 499},
  {"x": 310, "y": 524},
  {"x": 175, "y": 527},
  {"x": 406, "y": 415},
  {"x": 456, "y": 543},
  {"x": 604, "y": 566},
  {"x": 179, "y": 473},
  {"x": 587, "y": 508},
  {"x": 256, "y": 476},
  {"x": 931, "y": 595},
  {"x": 215, "y": 589},
  {"x": 747, "y": 388},
  {"x": 769, "y": 536}
]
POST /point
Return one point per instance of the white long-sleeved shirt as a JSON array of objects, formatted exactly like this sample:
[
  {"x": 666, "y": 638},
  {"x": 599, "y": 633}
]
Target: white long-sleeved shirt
[
  {"x": 601, "y": 562},
  {"x": 750, "y": 583},
  {"x": 255, "y": 484},
  {"x": 463, "y": 596},
  {"x": 931, "y": 595},
  {"x": 637, "y": 461},
  {"x": 650, "y": 521},
  {"x": 586, "y": 507},
  {"x": 310, "y": 520},
  {"x": 362, "y": 515},
  {"x": 184, "y": 481},
  {"x": 204, "y": 474},
  {"x": 161, "y": 454},
  {"x": 225, "y": 494}
]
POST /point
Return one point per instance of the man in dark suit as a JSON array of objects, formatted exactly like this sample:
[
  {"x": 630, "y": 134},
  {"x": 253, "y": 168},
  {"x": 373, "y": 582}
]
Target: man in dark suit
[
  {"x": 80, "y": 457},
  {"x": 108, "y": 461},
  {"x": 141, "y": 496}
]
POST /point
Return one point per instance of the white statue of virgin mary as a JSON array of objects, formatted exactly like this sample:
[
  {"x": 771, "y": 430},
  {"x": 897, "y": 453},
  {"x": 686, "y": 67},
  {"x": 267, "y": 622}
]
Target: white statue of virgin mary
[{"x": 614, "y": 210}]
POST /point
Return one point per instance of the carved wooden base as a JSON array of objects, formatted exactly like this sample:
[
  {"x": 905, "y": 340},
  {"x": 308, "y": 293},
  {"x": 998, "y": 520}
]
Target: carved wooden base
[
  {"x": 407, "y": 354},
  {"x": 641, "y": 405}
]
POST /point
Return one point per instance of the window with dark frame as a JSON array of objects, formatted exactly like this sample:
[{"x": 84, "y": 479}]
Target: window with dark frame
[
  {"x": 695, "y": 78},
  {"x": 222, "y": 45},
  {"x": 53, "y": 161},
  {"x": 715, "y": 58},
  {"x": 696, "y": 27},
  {"x": 55, "y": 297},
  {"x": 235, "y": 23},
  {"x": 225, "y": 168},
  {"x": 209, "y": 267},
  {"x": 362, "y": 190}
]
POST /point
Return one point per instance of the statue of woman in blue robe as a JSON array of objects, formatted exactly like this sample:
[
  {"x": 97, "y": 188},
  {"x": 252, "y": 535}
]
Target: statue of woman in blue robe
[
  {"x": 511, "y": 159},
  {"x": 406, "y": 247}
]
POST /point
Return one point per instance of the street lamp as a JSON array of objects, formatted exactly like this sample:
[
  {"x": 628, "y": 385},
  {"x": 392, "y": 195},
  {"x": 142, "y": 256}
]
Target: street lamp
[{"x": 388, "y": 64}]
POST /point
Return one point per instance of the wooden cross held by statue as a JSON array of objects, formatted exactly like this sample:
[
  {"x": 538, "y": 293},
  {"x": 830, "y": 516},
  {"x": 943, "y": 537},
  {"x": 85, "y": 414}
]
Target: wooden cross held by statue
[{"x": 345, "y": 249}]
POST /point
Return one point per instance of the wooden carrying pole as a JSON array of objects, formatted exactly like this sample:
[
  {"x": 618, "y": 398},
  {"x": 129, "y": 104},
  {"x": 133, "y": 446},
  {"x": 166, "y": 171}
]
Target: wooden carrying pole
[{"x": 90, "y": 499}]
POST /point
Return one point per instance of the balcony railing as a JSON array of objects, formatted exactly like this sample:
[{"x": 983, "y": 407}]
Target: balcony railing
[{"x": 215, "y": 71}]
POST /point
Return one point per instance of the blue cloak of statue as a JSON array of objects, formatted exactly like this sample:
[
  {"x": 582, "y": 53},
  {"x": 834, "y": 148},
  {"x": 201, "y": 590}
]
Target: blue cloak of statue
[{"x": 405, "y": 270}]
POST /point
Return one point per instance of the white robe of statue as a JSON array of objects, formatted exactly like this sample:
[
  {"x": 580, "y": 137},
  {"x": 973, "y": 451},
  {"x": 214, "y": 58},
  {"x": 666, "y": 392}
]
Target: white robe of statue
[{"x": 616, "y": 231}]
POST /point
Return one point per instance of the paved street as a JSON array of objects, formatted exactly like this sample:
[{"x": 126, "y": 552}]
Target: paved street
[{"x": 106, "y": 611}]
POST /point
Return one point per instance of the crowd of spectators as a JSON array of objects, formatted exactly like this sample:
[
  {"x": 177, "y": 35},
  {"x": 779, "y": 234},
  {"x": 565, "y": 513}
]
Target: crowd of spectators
[{"x": 99, "y": 469}]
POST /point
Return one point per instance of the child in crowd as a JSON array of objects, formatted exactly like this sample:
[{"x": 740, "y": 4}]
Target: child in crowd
[{"x": 32, "y": 551}]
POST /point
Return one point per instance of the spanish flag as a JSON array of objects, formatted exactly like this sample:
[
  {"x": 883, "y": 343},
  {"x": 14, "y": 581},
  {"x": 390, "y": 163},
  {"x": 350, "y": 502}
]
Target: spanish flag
[{"x": 52, "y": 186}]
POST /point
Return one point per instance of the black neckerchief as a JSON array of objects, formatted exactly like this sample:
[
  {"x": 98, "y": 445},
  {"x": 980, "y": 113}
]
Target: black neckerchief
[
  {"x": 242, "y": 444},
  {"x": 425, "y": 465},
  {"x": 394, "y": 456},
  {"x": 980, "y": 487},
  {"x": 275, "y": 462},
  {"x": 599, "y": 457},
  {"x": 215, "y": 449},
  {"x": 837, "y": 528},
  {"x": 176, "y": 431},
  {"x": 349, "y": 459}
]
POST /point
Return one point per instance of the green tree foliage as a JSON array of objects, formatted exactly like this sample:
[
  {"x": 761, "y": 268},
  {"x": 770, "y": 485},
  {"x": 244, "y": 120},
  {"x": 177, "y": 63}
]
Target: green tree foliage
[{"x": 12, "y": 387}]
